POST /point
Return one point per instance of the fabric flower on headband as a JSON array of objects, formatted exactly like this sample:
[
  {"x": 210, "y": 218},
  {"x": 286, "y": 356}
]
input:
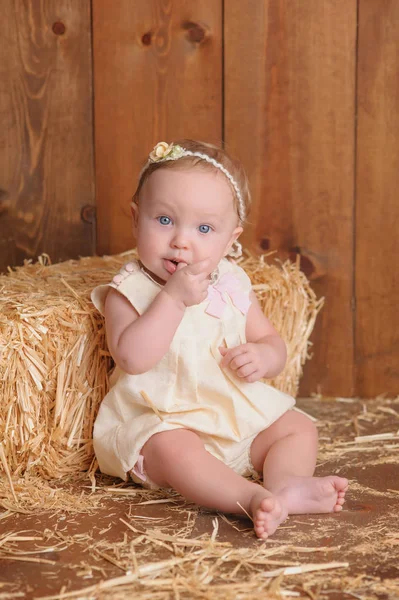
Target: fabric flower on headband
[{"x": 164, "y": 151}]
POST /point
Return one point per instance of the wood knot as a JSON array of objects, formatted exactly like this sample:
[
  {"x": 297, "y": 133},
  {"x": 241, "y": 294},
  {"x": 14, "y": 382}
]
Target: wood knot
[
  {"x": 88, "y": 214},
  {"x": 264, "y": 243},
  {"x": 196, "y": 33},
  {"x": 146, "y": 39},
  {"x": 312, "y": 265},
  {"x": 58, "y": 28}
]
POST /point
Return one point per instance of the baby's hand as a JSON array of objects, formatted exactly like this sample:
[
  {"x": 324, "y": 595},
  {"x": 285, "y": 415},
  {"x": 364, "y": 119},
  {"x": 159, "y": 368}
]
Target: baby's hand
[
  {"x": 248, "y": 361},
  {"x": 189, "y": 284}
]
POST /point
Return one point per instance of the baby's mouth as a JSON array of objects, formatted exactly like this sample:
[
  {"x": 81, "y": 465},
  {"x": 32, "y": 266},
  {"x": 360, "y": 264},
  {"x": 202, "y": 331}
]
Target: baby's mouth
[{"x": 171, "y": 264}]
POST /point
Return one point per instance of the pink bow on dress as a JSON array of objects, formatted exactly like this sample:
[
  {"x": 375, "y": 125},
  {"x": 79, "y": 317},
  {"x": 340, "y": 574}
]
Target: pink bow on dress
[{"x": 227, "y": 284}]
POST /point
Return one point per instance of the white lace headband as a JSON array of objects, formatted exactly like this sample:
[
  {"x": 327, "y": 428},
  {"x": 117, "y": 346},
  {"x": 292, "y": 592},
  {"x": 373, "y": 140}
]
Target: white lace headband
[{"x": 163, "y": 152}]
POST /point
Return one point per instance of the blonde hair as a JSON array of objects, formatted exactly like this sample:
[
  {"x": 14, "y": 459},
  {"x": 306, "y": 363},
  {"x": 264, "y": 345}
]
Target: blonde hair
[{"x": 234, "y": 169}]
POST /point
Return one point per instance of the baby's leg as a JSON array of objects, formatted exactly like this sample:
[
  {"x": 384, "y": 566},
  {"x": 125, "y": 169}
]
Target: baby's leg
[
  {"x": 286, "y": 452},
  {"x": 178, "y": 459}
]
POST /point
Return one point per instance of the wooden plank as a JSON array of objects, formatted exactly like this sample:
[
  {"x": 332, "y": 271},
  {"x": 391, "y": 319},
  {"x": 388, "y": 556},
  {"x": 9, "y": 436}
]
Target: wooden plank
[
  {"x": 289, "y": 115},
  {"x": 377, "y": 205},
  {"x": 46, "y": 147},
  {"x": 158, "y": 76}
]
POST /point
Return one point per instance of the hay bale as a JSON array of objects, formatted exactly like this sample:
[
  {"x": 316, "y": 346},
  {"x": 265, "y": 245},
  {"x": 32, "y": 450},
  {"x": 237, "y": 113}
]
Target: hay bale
[
  {"x": 290, "y": 303},
  {"x": 54, "y": 363}
]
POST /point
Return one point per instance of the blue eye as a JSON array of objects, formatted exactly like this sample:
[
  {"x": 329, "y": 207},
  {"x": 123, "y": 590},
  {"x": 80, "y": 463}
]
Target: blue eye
[
  {"x": 204, "y": 228},
  {"x": 164, "y": 220}
]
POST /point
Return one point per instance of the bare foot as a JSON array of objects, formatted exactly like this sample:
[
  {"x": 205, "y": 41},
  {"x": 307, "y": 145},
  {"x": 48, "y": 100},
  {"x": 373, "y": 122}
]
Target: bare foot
[
  {"x": 299, "y": 495},
  {"x": 267, "y": 513},
  {"x": 302, "y": 495}
]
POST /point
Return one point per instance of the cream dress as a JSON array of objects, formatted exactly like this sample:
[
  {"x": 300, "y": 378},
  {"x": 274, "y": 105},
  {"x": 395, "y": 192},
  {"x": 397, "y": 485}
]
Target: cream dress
[{"x": 187, "y": 388}]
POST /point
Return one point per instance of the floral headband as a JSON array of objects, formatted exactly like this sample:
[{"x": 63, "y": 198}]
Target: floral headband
[{"x": 163, "y": 152}]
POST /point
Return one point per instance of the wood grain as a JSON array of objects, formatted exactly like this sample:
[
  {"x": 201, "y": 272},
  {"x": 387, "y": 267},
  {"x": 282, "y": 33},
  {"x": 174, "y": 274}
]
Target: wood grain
[
  {"x": 46, "y": 147},
  {"x": 289, "y": 115},
  {"x": 277, "y": 80},
  {"x": 377, "y": 207},
  {"x": 158, "y": 76}
]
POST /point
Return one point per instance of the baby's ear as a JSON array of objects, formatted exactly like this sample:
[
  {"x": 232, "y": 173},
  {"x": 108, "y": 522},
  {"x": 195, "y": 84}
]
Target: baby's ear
[
  {"x": 234, "y": 236},
  {"x": 135, "y": 215}
]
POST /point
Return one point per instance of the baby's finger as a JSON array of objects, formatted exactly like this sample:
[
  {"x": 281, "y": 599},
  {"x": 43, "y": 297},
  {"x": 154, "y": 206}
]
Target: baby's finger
[
  {"x": 181, "y": 265},
  {"x": 230, "y": 354},
  {"x": 200, "y": 267},
  {"x": 240, "y": 361},
  {"x": 246, "y": 370},
  {"x": 255, "y": 376}
]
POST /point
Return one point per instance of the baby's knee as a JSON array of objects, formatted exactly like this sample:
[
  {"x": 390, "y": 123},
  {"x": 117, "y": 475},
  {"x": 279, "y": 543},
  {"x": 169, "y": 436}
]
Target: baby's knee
[
  {"x": 304, "y": 425},
  {"x": 170, "y": 445},
  {"x": 167, "y": 449},
  {"x": 295, "y": 422}
]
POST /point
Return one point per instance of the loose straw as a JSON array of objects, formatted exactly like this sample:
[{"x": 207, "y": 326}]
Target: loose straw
[{"x": 7, "y": 471}]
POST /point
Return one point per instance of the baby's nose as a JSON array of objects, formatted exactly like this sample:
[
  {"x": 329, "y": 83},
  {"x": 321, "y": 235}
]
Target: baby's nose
[{"x": 180, "y": 240}]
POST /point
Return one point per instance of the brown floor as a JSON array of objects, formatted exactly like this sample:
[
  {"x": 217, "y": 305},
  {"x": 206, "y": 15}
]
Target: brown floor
[{"x": 357, "y": 551}]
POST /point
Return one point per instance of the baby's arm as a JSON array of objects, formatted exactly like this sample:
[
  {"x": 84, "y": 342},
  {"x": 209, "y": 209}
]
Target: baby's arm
[
  {"x": 137, "y": 342},
  {"x": 264, "y": 354}
]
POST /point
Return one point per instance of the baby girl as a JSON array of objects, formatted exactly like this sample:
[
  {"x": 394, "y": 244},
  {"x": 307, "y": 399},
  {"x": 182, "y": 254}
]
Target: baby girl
[{"x": 187, "y": 408}]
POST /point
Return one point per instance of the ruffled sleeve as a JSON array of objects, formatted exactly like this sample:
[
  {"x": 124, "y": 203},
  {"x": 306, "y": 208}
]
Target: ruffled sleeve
[{"x": 131, "y": 282}]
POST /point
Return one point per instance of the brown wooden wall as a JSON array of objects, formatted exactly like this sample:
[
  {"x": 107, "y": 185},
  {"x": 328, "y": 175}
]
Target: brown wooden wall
[
  {"x": 46, "y": 130},
  {"x": 305, "y": 92}
]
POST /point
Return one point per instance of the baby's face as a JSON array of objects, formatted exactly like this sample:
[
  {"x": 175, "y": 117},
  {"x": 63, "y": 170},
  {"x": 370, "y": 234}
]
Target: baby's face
[{"x": 185, "y": 216}]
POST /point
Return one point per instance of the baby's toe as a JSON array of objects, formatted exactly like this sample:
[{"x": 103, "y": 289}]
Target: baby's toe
[
  {"x": 260, "y": 528},
  {"x": 260, "y": 518},
  {"x": 261, "y": 533},
  {"x": 267, "y": 507}
]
